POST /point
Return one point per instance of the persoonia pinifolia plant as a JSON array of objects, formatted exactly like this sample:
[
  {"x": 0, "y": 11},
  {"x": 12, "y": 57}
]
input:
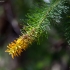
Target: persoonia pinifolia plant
[{"x": 37, "y": 23}]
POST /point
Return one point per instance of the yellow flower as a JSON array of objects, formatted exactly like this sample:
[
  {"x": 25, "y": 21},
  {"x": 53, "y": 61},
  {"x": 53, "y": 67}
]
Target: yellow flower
[{"x": 16, "y": 47}]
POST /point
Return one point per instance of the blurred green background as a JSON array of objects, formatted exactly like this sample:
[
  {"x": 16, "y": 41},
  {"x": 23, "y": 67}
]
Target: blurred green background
[{"x": 51, "y": 54}]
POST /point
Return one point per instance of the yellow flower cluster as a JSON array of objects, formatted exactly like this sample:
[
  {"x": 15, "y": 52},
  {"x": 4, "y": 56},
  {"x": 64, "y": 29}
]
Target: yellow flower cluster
[{"x": 16, "y": 47}]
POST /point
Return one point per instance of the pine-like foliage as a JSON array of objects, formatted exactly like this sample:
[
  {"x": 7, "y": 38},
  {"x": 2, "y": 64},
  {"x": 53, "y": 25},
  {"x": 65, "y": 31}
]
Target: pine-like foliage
[
  {"x": 38, "y": 22},
  {"x": 61, "y": 20}
]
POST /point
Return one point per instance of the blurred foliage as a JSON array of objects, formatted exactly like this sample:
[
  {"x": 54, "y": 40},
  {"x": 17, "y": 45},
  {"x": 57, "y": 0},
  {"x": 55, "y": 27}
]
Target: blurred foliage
[
  {"x": 64, "y": 21},
  {"x": 40, "y": 56}
]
